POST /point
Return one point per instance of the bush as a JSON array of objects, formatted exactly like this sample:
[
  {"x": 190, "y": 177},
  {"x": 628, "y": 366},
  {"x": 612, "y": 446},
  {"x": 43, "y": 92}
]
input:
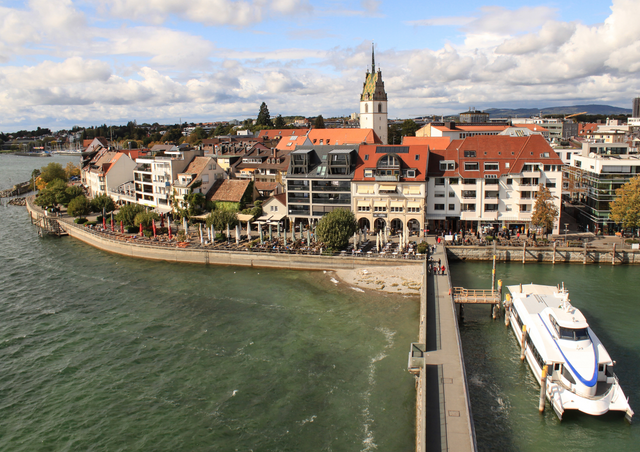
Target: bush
[
  {"x": 80, "y": 220},
  {"x": 147, "y": 233},
  {"x": 132, "y": 229},
  {"x": 422, "y": 247},
  {"x": 221, "y": 237},
  {"x": 90, "y": 223},
  {"x": 99, "y": 219}
]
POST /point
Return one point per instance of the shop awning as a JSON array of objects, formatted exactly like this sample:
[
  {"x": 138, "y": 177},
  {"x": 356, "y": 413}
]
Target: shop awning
[
  {"x": 365, "y": 189},
  {"x": 380, "y": 204},
  {"x": 413, "y": 204},
  {"x": 387, "y": 187},
  {"x": 363, "y": 203},
  {"x": 397, "y": 204}
]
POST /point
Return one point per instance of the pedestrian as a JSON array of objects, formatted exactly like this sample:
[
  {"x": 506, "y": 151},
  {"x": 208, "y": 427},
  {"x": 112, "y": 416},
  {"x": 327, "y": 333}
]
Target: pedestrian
[{"x": 442, "y": 269}]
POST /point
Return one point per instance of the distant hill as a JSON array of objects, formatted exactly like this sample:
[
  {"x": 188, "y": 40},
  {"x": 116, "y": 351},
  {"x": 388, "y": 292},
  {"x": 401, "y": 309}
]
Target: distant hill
[{"x": 526, "y": 112}]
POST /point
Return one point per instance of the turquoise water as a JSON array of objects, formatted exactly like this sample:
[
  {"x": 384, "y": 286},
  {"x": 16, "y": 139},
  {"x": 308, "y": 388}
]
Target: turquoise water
[
  {"x": 103, "y": 352},
  {"x": 504, "y": 394}
]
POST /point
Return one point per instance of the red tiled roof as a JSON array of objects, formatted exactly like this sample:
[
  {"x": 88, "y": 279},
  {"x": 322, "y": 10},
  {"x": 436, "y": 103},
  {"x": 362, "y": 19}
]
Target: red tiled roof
[
  {"x": 516, "y": 151},
  {"x": 268, "y": 186},
  {"x": 416, "y": 158},
  {"x": 277, "y": 133},
  {"x": 343, "y": 136},
  {"x": 432, "y": 142},
  {"x": 282, "y": 197}
]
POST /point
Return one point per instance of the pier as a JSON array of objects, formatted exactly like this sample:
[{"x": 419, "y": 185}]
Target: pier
[
  {"x": 47, "y": 225},
  {"x": 443, "y": 410}
]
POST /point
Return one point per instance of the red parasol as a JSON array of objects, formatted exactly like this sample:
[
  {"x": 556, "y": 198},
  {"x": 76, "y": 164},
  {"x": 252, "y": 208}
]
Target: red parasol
[
  {"x": 162, "y": 221},
  {"x": 111, "y": 222},
  {"x": 104, "y": 222},
  {"x": 140, "y": 229},
  {"x": 169, "y": 228},
  {"x": 154, "y": 228},
  {"x": 121, "y": 227}
]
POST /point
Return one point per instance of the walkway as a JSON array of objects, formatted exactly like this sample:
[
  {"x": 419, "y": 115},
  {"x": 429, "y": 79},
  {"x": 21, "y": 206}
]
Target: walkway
[{"x": 449, "y": 425}]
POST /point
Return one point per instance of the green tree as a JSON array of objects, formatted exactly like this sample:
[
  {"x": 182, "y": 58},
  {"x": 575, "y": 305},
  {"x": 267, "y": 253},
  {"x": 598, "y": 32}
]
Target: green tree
[
  {"x": 53, "y": 171},
  {"x": 395, "y": 134},
  {"x": 409, "y": 128},
  {"x": 221, "y": 218},
  {"x": 45, "y": 199},
  {"x": 145, "y": 218},
  {"x": 319, "y": 122},
  {"x": 264, "y": 118},
  {"x": 128, "y": 212},
  {"x": 195, "y": 203},
  {"x": 625, "y": 208},
  {"x": 79, "y": 206},
  {"x": 101, "y": 202},
  {"x": 336, "y": 228},
  {"x": 34, "y": 175},
  {"x": 279, "y": 123},
  {"x": 73, "y": 192},
  {"x": 545, "y": 211}
]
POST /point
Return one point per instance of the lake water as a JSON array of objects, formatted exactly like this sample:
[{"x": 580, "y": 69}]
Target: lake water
[
  {"x": 504, "y": 394},
  {"x": 104, "y": 352}
]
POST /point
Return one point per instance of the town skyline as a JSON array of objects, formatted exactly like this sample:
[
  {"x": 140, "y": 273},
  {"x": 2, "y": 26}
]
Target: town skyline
[{"x": 67, "y": 63}]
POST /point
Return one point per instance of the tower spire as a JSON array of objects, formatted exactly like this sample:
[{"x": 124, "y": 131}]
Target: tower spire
[{"x": 373, "y": 60}]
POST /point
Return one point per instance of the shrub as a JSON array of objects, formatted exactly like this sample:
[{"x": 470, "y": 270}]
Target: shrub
[
  {"x": 220, "y": 237},
  {"x": 422, "y": 247},
  {"x": 132, "y": 229},
  {"x": 147, "y": 233},
  {"x": 90, "y": 223},
  {"x": 99, "y": 219},
  {"x": 80, "y": 220}
]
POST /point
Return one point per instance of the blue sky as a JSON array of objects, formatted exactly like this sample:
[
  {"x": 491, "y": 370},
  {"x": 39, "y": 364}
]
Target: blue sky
[{"x": 88, "y": 62}]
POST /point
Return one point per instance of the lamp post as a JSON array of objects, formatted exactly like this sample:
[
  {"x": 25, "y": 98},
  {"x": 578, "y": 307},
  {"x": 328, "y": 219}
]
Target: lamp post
[{"x": 566, "y": 229}]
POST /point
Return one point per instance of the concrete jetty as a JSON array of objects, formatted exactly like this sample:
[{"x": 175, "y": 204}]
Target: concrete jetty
[{"x": 443, "y": 410}]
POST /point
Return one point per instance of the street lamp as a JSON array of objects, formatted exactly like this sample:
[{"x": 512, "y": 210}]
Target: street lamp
[{"x": 566, "y": 229}]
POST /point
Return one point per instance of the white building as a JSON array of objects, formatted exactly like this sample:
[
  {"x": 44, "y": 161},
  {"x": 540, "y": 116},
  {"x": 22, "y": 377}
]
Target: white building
[
  {"x": 107, "y": 171},
  {"x": 491, "y": 181}
]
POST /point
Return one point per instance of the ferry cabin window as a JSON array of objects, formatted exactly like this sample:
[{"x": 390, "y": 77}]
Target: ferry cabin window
[{"x": 573, "y": 335}]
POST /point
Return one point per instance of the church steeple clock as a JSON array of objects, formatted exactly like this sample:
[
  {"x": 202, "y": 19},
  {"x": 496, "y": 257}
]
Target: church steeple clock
[{"x": 373, "y": 102}]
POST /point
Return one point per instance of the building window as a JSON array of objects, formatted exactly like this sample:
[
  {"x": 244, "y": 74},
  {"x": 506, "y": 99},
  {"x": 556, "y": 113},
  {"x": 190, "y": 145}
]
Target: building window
[
  {"x": 438, "y": 206},
  {"x": 417, "y": 157},
  {"x": 525, "y": 208},
  {"x": 452, "y": 207},
  {"x": 380, "y": 108},
  {"x": 364, "y": 208},
  {"x": 439, "y": 194},
  {"x": 491, "y": 166},
  {"x": 471, "y": 166},
  {"x": 468, "y": 181},
  {"x": 447, "y": 165},
  {"x": 453, "y": 181},
  {"x": 492, "y": 181},
  {"x": 413, "y": 209},
  {"x": 509, "y": 181},
  {"x": 491, "y": 207},
  {"x": 380, "y": 209},
  {"x": 468, "y": 207},
  {"x": 439, "y": 181},
  {"x": 366, "y": 108},
  {"x": 366, "y": 156},
  {"x": 470, "y": 154},
  {"x": 368, "y": 173},
  {"x": 396, "y": 209}
]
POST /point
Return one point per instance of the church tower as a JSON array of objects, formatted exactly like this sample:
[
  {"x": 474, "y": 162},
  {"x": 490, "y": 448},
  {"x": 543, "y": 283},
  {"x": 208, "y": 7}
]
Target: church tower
[{"x": 373, "y": 102}]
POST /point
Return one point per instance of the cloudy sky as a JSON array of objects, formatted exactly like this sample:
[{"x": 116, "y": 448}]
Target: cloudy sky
[{"x": 88, "y": 62}]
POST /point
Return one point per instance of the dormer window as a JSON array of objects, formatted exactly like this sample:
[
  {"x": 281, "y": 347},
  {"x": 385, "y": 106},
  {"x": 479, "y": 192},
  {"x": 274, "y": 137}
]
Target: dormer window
[{"x": 470, "y": 154}]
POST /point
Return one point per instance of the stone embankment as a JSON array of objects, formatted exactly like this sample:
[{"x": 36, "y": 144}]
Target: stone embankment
[
  {"x": 16, "y": 190},
  {"x": 18, "y": 202},
  {"x": 588, "y": 254}
]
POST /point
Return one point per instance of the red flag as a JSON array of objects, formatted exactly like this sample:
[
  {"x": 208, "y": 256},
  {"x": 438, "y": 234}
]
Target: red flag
[
  {"x": 154, "y": 228},
  {"x": 141, "y": 229},
  {"x": 121, "y": 227}
]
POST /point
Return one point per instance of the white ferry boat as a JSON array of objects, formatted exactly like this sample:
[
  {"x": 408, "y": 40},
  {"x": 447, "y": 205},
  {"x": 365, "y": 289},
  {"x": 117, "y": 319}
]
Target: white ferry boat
[{"x": 579, "y": 374}]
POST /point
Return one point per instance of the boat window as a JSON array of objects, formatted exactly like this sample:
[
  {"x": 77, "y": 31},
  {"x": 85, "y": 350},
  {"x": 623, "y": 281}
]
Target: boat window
[{"x": 580, "y": 334}]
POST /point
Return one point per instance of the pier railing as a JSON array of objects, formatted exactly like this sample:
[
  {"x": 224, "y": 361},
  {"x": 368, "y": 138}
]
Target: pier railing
[{"x": 477, "y": 296}]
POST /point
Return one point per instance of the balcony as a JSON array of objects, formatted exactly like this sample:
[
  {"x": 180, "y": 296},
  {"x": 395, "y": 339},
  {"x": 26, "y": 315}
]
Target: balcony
[
  {"x": 143, "y": 168},
  {"x": 392, "y": 178},
  {"x": 332, "y": 200},
  {"x": 142, "y": 177}
]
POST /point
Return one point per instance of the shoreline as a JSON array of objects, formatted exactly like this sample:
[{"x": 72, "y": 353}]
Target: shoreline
[{"x": 401, "y": 280}]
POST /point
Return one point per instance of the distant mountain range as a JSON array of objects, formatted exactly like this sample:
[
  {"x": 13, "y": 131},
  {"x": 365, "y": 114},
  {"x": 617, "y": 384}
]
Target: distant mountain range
[{"x": 526, "y": 112}]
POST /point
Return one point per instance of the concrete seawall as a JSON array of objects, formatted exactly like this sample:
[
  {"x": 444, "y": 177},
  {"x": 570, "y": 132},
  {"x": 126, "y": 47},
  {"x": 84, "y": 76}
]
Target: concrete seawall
[
  {"x": 217, "y": 257},
  {"x": 587, "y": 255}
]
